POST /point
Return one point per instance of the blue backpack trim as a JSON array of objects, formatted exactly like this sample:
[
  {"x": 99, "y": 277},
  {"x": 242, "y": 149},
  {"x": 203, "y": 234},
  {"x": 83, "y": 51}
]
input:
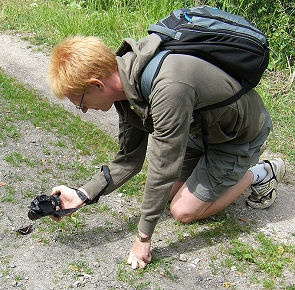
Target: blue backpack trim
[
  {"x": 150, "y": 72},
  {"x": 226, "y": 40}
]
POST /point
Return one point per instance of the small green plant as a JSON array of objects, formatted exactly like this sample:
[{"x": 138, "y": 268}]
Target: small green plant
[
  {"x": 134, "y": 278},
  {"x": 132, "y": 226},
  {"x": 61, "y": 143},
  {"x": 12, "y": 131},
  {"x": 9, "y": 196},
  {"x": 80, "y": 267},
  {"x": 16, "y": 158},
  {"x": 267, "y": 256},
  {"x": 103, "y": 208}
]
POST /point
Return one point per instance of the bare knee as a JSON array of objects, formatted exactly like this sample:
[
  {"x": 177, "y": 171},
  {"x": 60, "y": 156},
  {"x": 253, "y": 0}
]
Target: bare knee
[{"x": 183, "y": 215}]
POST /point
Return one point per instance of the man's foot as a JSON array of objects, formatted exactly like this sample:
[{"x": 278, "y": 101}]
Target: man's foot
[{"x": 264, "y": 192}]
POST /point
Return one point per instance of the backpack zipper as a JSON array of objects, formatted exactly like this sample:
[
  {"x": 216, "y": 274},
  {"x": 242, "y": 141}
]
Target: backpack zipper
[
  {"x": 225, "y": 21},
  {"x": 184, "y": 14},
  {"x": 226, "y": 32}
]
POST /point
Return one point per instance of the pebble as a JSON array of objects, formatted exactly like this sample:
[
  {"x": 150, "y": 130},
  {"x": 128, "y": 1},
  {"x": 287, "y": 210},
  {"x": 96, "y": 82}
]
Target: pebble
[
  {"x": 182, "y": 258},
  {"x": 199, "y": 279},
  {"x": 11, "y": 265},
  {"x": 77, "y": 284},
  {"x": 195, "y": 263}
]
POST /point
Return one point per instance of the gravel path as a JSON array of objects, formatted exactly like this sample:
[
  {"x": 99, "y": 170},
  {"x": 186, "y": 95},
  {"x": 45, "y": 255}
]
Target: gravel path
[{"x": 92, "y": 255}]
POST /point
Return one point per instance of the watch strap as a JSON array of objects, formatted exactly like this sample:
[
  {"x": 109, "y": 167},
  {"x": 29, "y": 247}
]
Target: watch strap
[{"x": 141, "y": 238}]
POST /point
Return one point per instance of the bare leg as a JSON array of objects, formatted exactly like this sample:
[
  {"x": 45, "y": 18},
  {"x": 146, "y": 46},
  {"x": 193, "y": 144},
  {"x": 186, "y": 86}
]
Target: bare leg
[
  {"x": 175, "y": 188},
  {"x": 186, "y": 207}
]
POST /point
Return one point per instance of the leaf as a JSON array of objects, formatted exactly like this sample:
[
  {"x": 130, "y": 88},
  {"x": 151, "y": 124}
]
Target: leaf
[
  {"x": 280, "y": 250},
  {"x": 73, "y": 268},
  {"x": 2, "y": 183},
  {"x": 226, "y": 284}
]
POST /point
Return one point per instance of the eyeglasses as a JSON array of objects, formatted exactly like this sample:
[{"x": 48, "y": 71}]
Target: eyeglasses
[{"x": 80, "y": 107}]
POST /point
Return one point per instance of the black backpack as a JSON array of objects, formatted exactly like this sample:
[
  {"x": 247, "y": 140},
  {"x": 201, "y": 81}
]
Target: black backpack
[{"x": 226, "y": 40}]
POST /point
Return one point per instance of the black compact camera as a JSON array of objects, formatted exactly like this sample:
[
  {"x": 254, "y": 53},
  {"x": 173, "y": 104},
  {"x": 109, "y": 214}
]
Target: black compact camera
[{"x": 44, "y": 205}]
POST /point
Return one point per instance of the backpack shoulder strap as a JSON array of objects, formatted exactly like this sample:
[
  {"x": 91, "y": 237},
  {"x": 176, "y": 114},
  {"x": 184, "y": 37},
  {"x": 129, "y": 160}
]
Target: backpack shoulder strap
[{"x": 150, "y": 72}]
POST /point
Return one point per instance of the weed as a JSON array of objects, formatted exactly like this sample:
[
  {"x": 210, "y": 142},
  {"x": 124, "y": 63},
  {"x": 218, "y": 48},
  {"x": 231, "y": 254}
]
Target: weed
[
  {"x": 98, "y": 230},
  {"x": 61, "y": 143},
  {"x": 81, "y": 267},
  {"x": 9, "y": 197},
  {"x": 12, "y": 131},
  {"x": 134, "y": 278},
  {"x": 132, "y": 226},
  {"x": 16, "y": 158},
  {"x": 267, "y": 256},
  {"x": 162, "y": 266},
  {"x": 103, "y": 208}
]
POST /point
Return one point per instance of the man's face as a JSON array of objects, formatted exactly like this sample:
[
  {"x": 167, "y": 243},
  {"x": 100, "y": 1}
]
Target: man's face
[{"x": 95, "y": 97}]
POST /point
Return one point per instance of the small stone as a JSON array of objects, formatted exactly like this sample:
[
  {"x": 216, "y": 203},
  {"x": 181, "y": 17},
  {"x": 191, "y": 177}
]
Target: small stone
[
  {"x": 199, "y": 279},
  {"x": 77, "y": 284},
  {"x": 11, "y": 265},
  {"x": 182, "y": 258}
]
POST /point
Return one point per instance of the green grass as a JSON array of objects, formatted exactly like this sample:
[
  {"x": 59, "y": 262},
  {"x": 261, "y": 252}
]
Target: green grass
[
  {"x": 15, "y": 159},
  {"x": 80, "y": 267},
  {"x": 137, "y": 279},
  {"x": 47, "y": 22},
  {"x": 280, "y": 101},
  {"x": 20, "y": 100},
  {"x": 265, "y": 256},
  {"x": 212, "y": 230}
]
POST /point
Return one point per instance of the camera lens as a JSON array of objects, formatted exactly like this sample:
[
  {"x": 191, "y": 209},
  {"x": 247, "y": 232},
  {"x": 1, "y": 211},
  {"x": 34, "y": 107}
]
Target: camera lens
[{"x": 33, "y": 216}]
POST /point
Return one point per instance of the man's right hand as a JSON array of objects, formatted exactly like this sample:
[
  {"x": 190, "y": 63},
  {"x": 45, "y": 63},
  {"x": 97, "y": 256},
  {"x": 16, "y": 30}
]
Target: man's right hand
[{"x": 68, "y": 198}]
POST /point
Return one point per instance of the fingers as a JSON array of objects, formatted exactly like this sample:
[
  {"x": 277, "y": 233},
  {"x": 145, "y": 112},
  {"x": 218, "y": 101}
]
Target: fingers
[
  {"x": 57, "y": 189},
  {"x": 135, "y": 262},
  {"x": 130, "y": 258}
]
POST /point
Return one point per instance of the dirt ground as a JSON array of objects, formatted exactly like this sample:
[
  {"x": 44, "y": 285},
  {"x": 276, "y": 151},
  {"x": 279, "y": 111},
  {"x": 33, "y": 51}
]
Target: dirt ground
[{"x": 90, "y": 251}]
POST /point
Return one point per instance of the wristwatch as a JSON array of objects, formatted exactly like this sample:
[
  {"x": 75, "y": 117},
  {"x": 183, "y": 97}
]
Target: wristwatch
[{"x": 142, "y": 238}]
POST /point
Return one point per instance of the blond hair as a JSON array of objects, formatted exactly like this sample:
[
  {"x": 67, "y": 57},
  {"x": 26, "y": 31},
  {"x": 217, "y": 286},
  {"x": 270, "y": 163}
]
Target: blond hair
[{"x": 76, "y": 60}]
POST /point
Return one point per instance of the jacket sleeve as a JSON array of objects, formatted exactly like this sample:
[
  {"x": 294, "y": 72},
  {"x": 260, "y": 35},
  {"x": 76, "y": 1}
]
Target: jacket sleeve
[
  {"x": 171, "y": 108},
  {"x": 128, "y": 161}
]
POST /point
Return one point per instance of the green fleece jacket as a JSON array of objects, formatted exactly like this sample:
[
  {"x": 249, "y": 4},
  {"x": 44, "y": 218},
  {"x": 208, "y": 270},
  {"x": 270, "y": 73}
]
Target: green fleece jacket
[{"x": 184, "y": 83}]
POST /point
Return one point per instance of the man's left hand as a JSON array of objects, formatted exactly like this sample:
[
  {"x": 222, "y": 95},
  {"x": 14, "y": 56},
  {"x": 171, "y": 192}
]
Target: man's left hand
[{"x": 140, "y": 254}]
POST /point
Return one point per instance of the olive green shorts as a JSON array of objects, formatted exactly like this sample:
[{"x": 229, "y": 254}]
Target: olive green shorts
[{"x": 226, "y": 164}]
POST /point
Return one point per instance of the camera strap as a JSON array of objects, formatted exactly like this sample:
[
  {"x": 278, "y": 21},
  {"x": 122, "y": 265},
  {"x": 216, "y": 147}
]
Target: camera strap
[{"x": 106, "y": 171}]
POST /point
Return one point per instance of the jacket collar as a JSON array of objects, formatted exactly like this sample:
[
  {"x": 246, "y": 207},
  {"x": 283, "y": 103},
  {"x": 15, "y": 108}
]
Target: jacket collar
[{"x": 132, "y": 57}]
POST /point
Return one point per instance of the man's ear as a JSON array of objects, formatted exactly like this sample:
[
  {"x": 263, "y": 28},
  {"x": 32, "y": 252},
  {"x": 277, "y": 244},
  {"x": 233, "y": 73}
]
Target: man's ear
[{"x": 96, "y": 82}]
